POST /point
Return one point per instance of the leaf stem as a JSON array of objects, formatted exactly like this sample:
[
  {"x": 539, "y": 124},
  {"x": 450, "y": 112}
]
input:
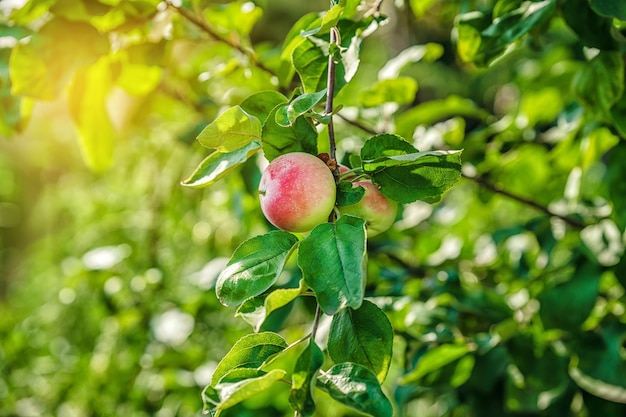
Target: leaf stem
[
  {"x": 524, "y": 200},
  {"x": 316, "y": 321},
  {"x": 330, "y": 94},
  {"x": 219, "y": 38}
]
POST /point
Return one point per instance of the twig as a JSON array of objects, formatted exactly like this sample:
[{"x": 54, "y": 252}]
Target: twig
[
  {"x": 316, "y": 321},
  {"x": 330, "y": 94},
  {"x": 358, "y": 124},
  {"x": 524, "y": 200},
  {"x": 219, "y": 38}
]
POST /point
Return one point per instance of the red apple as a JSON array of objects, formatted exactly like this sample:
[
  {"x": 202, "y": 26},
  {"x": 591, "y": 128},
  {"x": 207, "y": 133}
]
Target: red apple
[
  {"x": 297, "y": 192},
  {"x": 378, "y": 211}
]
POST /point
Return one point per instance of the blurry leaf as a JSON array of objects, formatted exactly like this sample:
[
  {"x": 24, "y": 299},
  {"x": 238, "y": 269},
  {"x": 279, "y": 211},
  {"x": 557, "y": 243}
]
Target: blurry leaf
[
  {"x": 428, "y": 52},
  {"x": 420, "y": 7},
  {"x": 30, "y": 10},
  {"x": 609, "y": 8},
  {"x": 600, "y": 84},
  {"x": 348, "y": 195},
  {"x": 231, "y": 130},
  {"x": 400, "y": 90},
  {"x": 236, "y": 16},
  {"x": 16, "y": 32},
  {"x": 287, "y": 115},
  {"x": 87, "y": 101},
  {"x": 433, "y": 111},
  {"x": 435, "y": 359},
  {"x": 542, "y": 105},
  {"x": 593, "y": 31},
  {"x": 254, "y": 267},
  {"x": 362, "y": 336},
  {"x": 480, "y": 39},
  {"x": 139, "y": 80},
  {"x": 301, "y": 136},
  {"x": 244, "y": 384},
  {"x": 338, "y": 282},
  {"x": 537, "y": 378},
  {"x": 614, "y": 178},
  {"x": 42, "y": 68},
  {"x": 404, "y": 174},
  {"x": 10, "y": 111},
  {"x": 251, "y": 351},
  {"x": 261, "y": 104},
  {"x": 219, "y": 164},
  {"x": 581, "y": 290},
  {"x": 599, "y": 366},
  {"x": 356, "y": 387},
  {"x": 257, "y": 309},
  {"x": 303, "y": 379}
]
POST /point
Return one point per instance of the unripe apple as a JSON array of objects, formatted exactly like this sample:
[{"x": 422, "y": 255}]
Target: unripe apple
[
  {"x": 378, "y": 211},
  {"x": 297, "y": 192}
]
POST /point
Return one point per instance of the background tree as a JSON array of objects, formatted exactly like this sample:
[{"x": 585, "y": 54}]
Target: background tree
[{"x": 503, "y": 297}]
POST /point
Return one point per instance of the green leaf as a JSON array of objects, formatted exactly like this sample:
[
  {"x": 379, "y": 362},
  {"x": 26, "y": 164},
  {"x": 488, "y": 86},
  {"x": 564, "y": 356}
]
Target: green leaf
[
  {"x": 303, "y": 379},
  {"x": 87, "y": 102},
  {"x": 404, "y": 174},
  {"x": 311, "y": 64},
  {"x": 256, "y": 310},
  {"x": 593, "y": 30},
  {"x": 614, "y": 179},
  {"x": 219, "y": 164},
  {"x": 324, "y": 23},
  {"x": 254, "y": 267},
  {"x": 231, "y": 130},
  {"x": 356, "y": 387},
  {"x": 348, "y": 195},
  {"x": 581, "y": 290},
  {"x": 362, "y": 336},
  {"x": 435, "y": 359},
  {"x": 43, "y": 67},
  {"x": 301, "y": 136},
  {"x": 251, "y": 351},
  {"x": 16, "y": 32},
  {"x": 481, "y": 39},
  {"x": 600, "y": 84},
  {"x": 436, "y": 110},
  {"x": 300, "y": 105},
  {"x": 399, "y": 90},
  {"x": 599, "y": 365},
  {"x": 609, "y": 8},
  {"x": 338, "y": 281},
  {"x": 261, "y": 104},
  {"x": 244, "y": 385}
]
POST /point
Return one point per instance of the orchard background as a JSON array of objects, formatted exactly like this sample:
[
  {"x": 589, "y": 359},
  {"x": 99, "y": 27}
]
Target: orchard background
[{"x": 504, "y": 295}]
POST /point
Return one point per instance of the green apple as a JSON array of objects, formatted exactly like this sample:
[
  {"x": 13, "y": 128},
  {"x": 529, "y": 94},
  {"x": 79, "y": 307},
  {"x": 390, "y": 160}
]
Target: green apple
[
  {"x": 297, "y": 192},
  {"x": 378, "y": 211}
]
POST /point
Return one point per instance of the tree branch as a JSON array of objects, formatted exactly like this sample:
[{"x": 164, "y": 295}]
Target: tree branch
[
  {"x": 483, "y": 182},
  {"x": 219, "y": 38},
  {"x": 330, "y": 94}
]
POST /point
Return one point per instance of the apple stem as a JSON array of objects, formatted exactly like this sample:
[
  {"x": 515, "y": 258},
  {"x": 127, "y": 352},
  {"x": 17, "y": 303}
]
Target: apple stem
[{"x": 330, "y": 92}]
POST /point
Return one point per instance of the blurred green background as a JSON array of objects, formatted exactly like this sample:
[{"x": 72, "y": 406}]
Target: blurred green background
[{"x": 107, "y": 305}]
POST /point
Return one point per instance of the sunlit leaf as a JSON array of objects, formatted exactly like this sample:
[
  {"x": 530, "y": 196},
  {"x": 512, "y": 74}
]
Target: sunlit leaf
[
  {"x": 338, "y": 281},
  {"x": 244, "y": 385},
  {"x": 231, "y": 130},
  {"x": 43, "y": 67},
  {"x": 257, "y": 309},
  {"x": 219, "y": 164},
  {"x": 363, "y": 336},
  {"x": 304, "y": 378},
  {"x": 249, "y": 352},
  {"x": 87, "y": 101},
  {"x": 356, "y": 387},
  {"x": 254, "y": 266},
  {"x": 287, "y": 115}
]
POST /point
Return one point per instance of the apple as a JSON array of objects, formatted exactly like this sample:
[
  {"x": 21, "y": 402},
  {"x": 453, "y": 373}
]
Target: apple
[
  {"x": 297, "y": 192},
  {"x": 378, "y": 211}
]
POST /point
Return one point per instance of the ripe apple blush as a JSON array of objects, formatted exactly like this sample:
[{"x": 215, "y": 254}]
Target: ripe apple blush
[{"x": 297, "y": 192}]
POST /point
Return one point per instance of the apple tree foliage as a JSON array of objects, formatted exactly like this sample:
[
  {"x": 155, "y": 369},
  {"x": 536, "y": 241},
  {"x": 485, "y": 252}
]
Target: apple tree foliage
[{"x": 501, "y": 288}]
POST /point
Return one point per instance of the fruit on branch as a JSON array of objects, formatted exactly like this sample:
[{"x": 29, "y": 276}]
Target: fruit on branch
[
  {"x": 378, "y": 211},
  {"x": 297, "y": 192}
]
